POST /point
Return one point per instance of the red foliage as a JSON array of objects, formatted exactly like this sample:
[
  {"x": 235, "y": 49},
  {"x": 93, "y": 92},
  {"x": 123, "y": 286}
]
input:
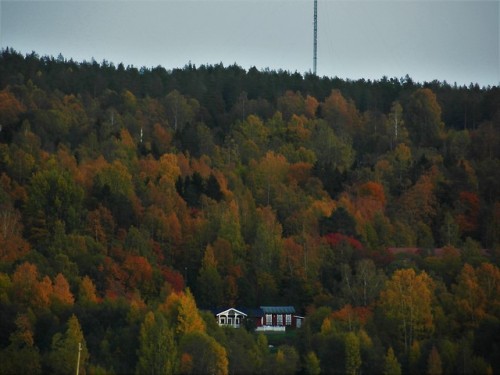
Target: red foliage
[
  {"x": 337, "y": 239},
  {"x": 160, "y": 257},
  {"x": 174, "y": 278},
  {"x": 139, "y": 270}
]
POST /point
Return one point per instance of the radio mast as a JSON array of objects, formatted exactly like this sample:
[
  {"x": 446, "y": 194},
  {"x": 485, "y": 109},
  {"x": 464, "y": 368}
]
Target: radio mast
[{"x": 315, "y": 48}]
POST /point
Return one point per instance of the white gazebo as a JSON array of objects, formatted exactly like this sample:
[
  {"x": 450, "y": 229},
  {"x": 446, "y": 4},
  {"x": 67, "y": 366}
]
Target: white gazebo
[{"x": 230, "y": 318}]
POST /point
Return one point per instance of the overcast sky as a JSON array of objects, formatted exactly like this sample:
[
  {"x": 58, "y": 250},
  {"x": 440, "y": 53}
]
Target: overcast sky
[{"x": 457, "y": 41}]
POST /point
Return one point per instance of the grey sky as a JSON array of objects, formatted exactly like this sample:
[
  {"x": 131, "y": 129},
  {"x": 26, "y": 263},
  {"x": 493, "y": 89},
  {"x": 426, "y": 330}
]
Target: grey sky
[{"x": 456, "y": 41}]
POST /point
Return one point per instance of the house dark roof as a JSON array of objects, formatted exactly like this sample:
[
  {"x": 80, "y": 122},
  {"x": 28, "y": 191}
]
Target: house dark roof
[
  {"x": 278, "y": 309},
  {"x": 255, "y": 313}
]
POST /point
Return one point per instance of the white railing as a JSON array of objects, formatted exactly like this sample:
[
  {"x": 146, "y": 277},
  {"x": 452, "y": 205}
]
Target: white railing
[{"x": 271, "y": 328}]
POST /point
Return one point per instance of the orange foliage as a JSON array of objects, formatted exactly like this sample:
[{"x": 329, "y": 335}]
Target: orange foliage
[
  {"x": 10, "y": 108},
  {"x": 373, "y": 190},
  {"x": 298, "y": 126},
  {"x": 294, "y": 258},
  {"x": 184, "y": 165},
  {"x": 299, "y": 173},
  {"x": 369, "y": 200},
  {"x": 100, "y": 224},
  {"x": 90, "y": 168},
  {"x": 139, "y": 270},
  {"x": 161, "y": 138},
  {"x": 28, "y": 289},
  {"x": 149, "y": 169},
  {"x": 311, "y": 106},
  {"x": 419, "y": 202},
  {"x": 12, "y": 248},
  {"x": 61, "y": 292},
  {"x": 43, "y": 292},
  {"x": 186, "y": 365},
  {"x": 126, "y": 139},
  {"x": 202, "y": 166},
  {"x": 12, "y": 245},
  {"x": 174, "y": 228},
  {"x": 469, "y": 216},
  {"x": 340, "y": 113},
  {"x": 353, "y": 315}
]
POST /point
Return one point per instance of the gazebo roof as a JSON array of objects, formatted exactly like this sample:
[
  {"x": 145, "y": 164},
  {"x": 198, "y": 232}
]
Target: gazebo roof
[{"x": 231, "y": 311}]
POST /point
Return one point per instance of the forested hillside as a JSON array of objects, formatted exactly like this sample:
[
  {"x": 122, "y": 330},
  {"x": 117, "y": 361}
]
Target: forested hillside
[{"x": 135, "y": 201}]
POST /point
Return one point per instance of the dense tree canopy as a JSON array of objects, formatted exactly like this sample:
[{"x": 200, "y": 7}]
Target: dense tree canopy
[{"x": 134, "y": 201}]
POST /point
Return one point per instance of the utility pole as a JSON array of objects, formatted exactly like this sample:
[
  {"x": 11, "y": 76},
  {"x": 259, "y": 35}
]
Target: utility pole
[
  {"x": 315, "y": 48},
  {"x": 78, "y": 361}
]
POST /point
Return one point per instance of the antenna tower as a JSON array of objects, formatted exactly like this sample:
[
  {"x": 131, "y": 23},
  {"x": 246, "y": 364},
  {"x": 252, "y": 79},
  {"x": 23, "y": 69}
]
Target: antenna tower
[{"x": 315, "y": 48}]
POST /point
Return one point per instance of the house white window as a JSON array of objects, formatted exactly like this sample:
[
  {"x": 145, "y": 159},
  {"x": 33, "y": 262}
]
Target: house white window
[
  {"x": 288, "y": 319},
  {"x": 222, "y": 320},
  {"x": 269, "y": 319},
  {"x": 230, "y": 321},
  {"x": 280, "y": 319},
  {"x": 238, "y": 320}
]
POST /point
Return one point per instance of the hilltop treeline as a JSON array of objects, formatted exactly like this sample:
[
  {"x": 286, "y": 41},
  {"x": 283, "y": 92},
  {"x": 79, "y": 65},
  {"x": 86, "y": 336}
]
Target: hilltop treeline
[{"x": 133, "y": 201}]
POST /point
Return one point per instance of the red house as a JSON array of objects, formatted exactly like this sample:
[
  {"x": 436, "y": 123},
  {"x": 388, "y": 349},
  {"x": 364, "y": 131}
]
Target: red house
[{"x": 277, "y": 318}]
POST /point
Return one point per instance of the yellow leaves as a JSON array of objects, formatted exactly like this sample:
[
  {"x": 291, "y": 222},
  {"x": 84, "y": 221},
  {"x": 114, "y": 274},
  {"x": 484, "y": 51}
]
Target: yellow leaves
[
  {"x": 470, "y": 298},
  {"x": 323, "y": 207},
  {"x": 182, "y": 310},
  {"x": 209, "y": 258},
  {"x": 169, "y": 170},
  {"x": 402, "y": 153},
  {"x": 202, "y": 354},
  {"x": 326, "y": 326},
  {"x": 407, "y": 298},
  {"x": 129, "y": 100},
  {"x": 268, "y": 175},
  {"x": 87, "y": 291}
]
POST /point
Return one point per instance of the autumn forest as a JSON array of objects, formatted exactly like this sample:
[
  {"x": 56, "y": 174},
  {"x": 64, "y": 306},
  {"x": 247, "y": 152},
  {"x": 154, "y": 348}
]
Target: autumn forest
[{"x": 135, "y": 202}]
